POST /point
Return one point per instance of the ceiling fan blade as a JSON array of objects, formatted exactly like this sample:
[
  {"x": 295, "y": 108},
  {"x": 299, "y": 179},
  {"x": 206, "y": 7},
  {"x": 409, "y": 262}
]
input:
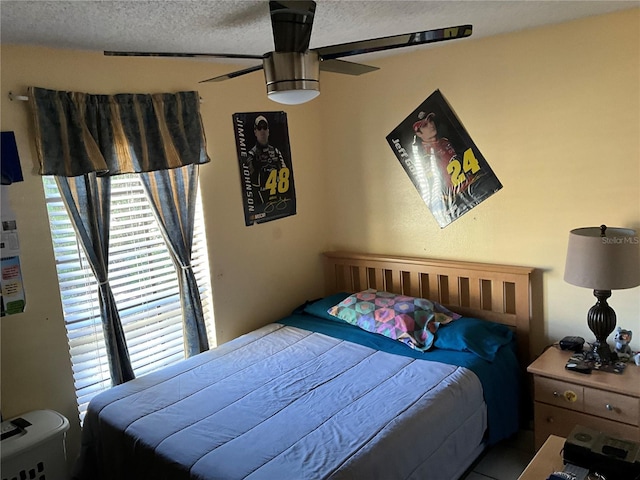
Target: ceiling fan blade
[
  {"x": 187, "y": 55},
  {"x": 235, "y": 74},
  {"x": 350, "y": 68},
  {"x": 395, "y": 41},
  {"x": 291, "y": 22}
]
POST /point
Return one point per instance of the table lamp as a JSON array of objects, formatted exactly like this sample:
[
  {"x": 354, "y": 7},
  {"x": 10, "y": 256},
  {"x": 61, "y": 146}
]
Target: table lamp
[{"x": 603, "y": 259}]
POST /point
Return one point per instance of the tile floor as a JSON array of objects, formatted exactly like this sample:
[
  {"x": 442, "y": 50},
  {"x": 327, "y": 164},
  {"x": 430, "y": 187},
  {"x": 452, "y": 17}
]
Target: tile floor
[{"x": 504, "y": 461}]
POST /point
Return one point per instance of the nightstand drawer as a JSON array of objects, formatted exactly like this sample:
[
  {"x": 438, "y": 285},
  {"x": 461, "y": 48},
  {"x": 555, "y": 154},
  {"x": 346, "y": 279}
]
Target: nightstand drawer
[
  {"x": 562, "y": 394},
  {"x": 614, "y": 406},
  {"x": 550, "y": 420}
]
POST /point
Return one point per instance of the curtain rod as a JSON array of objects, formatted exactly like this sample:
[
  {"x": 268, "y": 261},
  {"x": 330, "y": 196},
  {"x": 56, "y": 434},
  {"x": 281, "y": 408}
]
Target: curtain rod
[{"x": 24, "y": 98}]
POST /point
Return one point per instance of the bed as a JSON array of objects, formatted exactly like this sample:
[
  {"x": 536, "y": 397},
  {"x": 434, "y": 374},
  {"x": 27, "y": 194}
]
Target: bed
[{"x": 314, "y": 396}]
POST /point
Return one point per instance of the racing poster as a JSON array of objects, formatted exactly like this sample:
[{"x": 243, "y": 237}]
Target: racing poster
[
  {"x": 266, "y": 173},
  {"x": 442, "y": 161}
]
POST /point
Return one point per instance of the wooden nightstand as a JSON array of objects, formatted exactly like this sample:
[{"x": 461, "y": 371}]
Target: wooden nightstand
[{"x": 563, "y": 399}]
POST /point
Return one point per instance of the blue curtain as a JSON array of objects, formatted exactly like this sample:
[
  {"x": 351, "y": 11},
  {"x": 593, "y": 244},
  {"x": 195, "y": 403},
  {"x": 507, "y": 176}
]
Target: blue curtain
[
  {"x": 172, "y": 194},
  {"x": 82, "y": 139},
  {"x": 79, "y": 133},
  {"x": 87, "y": 201}
]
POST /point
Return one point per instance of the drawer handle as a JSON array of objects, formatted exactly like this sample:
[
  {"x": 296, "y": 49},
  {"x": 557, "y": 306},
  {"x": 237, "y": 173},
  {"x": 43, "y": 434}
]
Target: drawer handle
[
  {"x": 609, "y": 407},
  {"x": 550, "y": 420},
  {"x": 556, "y": 394}
]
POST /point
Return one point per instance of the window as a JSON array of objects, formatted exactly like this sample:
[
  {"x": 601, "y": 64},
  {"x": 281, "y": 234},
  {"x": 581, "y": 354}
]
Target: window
[{"x": 144, "y": 283}]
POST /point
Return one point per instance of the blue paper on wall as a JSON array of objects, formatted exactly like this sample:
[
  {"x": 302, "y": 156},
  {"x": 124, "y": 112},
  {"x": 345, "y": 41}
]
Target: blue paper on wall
[{"x": 9, "y": 159}]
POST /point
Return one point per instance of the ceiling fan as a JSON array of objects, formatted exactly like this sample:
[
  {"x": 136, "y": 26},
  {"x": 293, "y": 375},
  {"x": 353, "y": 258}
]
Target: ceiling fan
[{"x": 292, "y": 70}]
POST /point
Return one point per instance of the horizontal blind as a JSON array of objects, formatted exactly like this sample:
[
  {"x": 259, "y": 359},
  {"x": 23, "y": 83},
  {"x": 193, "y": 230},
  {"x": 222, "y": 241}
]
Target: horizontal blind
[{"x": 144, "y": 282}]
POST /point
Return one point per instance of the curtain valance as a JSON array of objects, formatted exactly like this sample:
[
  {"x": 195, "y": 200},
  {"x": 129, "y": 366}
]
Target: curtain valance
[{"x": 80, "y": 133}]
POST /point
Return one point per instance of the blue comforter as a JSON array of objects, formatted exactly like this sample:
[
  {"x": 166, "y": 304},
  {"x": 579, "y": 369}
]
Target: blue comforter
[
  {"x": 500, "y": 378},
  {"x": 301, "y": 399}
]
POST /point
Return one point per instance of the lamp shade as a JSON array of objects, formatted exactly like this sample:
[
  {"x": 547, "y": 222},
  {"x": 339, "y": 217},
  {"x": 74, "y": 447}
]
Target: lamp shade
[{"x": 603, "y": 258}]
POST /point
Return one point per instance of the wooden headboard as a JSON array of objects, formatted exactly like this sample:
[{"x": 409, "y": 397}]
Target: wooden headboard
[{"x": 499, "y": 293}]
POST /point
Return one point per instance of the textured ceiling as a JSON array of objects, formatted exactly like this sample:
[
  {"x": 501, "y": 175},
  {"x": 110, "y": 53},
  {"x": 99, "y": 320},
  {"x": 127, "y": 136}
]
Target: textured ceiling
[{"x": 215, "y": 26}]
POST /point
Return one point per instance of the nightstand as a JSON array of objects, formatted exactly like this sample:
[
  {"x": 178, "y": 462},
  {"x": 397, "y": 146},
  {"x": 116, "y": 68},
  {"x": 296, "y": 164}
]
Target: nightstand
[{"x": 563, "y": 399}]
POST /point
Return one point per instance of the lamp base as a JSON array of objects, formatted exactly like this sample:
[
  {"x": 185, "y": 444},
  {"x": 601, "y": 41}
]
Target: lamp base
[
  {"x": 601, "y": 320},
  {"x": 601, "y": 353}
]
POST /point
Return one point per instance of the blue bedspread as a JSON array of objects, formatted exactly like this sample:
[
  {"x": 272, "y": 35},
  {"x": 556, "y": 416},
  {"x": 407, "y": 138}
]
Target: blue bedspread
[
  {"x": 303, "y": 399},
  {"x": 500, "y": 379}
]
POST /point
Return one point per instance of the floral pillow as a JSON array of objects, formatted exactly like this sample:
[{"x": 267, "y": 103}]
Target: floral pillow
[{"x": 413, "y": 321}]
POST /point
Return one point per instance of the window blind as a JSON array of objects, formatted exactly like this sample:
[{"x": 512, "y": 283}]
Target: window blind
[{"x": 144, "y": 283}]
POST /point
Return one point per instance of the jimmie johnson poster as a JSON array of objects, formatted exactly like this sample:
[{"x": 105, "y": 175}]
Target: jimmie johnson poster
[
  {"x": 442, "y": 161},
  {"x": 266, "y": 174}
]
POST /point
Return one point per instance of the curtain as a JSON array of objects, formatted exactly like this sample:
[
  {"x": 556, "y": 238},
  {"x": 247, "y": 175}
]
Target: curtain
[
  {"x": 87, "y": 200},
  {"x": 79, "y": 133},
  {"x": 82, "y": 139},
  {"x": 172, "y": 194}
]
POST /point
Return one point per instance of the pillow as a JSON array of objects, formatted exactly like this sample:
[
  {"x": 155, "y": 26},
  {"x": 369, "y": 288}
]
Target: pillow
[
  {"x": 474, "y": 335},
  {"x": 410, "y": 320},
  {"x": 319, "y": 307}
]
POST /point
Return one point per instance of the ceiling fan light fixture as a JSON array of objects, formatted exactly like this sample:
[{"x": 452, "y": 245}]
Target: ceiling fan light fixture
[
  {"x": 292, "y": 77},
  {"x": 294, "y": 96},
  {"x": 292, "y": 71}
]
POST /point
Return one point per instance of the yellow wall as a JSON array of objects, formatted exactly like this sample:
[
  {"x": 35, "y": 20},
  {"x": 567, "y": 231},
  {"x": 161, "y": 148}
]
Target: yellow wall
[
  {"x": 556, "y": 112},
  {"x": 259, "y": 273}
]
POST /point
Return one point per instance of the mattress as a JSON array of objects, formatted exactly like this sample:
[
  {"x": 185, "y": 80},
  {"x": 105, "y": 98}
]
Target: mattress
[{"x": 289, "y": 402}]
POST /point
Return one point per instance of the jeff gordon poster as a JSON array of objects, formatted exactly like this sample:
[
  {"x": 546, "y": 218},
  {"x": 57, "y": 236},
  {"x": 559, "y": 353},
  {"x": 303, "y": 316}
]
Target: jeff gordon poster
[
  {"x": 266, "y": 173},
  {"x": 442, "y": 161}
]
